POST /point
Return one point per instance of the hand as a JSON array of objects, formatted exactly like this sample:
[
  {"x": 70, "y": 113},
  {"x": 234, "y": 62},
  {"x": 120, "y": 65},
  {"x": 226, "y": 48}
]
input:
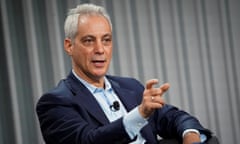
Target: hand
[
  {"x": 152, "y": 98},
  {"x": 191, "y": 137}
]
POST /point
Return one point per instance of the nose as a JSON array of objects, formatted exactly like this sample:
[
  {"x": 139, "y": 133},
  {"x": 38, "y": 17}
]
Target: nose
[{"x": 99, "y": 47}]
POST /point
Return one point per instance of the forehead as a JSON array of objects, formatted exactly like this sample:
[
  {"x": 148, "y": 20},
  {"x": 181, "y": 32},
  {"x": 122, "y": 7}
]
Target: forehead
[{"x": 93, "y": 24}]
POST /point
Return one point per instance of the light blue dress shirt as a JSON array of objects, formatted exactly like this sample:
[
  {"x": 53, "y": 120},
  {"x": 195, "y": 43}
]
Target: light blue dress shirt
[{"x": 132, "y": 121}]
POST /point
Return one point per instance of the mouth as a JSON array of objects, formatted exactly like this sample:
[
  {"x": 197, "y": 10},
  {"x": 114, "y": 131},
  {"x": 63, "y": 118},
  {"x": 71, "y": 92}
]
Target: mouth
[{"x": 99, "y": 63}]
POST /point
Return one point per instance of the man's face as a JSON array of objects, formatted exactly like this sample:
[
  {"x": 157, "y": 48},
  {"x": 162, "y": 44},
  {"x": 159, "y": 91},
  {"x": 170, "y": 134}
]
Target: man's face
[{"x": 91, "y": 50}]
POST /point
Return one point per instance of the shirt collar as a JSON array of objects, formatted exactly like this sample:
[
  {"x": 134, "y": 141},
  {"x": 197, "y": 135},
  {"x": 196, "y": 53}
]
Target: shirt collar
[{"x": 92, "y": 88}]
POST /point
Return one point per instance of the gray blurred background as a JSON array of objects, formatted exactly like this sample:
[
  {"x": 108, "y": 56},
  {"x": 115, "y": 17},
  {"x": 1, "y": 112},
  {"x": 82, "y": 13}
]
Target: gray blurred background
[{"x": 192, "y": 44}]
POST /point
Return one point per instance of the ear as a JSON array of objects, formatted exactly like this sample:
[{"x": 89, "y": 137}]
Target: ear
[{"x": 68, "y": 46}]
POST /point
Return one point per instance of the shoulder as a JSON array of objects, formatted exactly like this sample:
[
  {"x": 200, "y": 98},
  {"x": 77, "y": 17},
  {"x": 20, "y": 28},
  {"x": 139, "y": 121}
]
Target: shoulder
[{"x": 60, "y": 94}]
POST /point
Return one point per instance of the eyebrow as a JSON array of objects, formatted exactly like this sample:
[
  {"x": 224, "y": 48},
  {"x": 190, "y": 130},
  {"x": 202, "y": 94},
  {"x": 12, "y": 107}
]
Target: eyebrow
[
  {"x": 92, "y": 36},
  {"x": 108, "y": 34}
]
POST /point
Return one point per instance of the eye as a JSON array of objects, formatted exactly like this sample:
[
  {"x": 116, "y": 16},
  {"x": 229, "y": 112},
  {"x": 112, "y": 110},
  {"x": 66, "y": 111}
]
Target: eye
[
  {"x": 107, "y": 40},
  {"x": 88, "y": 41}
]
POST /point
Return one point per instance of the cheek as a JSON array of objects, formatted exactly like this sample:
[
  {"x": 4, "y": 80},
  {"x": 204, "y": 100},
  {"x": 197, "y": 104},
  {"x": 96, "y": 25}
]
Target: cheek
[
  {"x": 109, "y": 52},
  {"x": 78, "y": 57},
  {"x": 85, "y": 58},
  {"x": 80, "y": 52}
]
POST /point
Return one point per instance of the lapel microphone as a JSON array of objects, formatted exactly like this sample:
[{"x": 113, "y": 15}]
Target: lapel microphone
[{"x": 115, "y": 106}]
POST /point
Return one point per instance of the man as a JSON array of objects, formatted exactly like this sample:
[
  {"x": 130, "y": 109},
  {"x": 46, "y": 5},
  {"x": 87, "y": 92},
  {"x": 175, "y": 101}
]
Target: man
[{"x": 90, "y": 107}]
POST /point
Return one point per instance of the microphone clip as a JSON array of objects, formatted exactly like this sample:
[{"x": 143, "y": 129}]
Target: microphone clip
[{"x": 115, "y": 106}]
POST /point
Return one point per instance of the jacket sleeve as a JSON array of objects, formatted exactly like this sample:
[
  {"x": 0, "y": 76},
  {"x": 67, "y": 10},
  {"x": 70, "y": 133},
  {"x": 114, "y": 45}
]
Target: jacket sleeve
[
  {"x": 170, "y": 122},
  {"x": 62, "y": 123}
]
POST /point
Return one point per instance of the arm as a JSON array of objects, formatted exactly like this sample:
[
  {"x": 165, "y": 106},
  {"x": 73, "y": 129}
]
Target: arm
[
  {"x": 62, "y": 122},
  {"x": 170, "y": 121}
]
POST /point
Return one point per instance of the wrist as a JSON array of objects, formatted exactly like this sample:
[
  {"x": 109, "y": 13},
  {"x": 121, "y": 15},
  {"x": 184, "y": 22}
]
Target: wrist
[
  {"x": 191, "y": 137},
  {"x": 141, "y": 112}
]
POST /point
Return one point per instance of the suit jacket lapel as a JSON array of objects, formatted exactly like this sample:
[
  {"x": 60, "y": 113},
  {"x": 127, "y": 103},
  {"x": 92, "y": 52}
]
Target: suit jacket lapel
[
  {"x": 127, "y": 97},
  {"x": 84, "y": 98}
]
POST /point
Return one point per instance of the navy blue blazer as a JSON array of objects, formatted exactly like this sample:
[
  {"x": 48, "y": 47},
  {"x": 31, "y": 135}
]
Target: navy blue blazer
[{"x": 69, "y": 114}]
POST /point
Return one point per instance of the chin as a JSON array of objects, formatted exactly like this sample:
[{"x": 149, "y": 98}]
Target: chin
[{"x": 99, "y": 74}]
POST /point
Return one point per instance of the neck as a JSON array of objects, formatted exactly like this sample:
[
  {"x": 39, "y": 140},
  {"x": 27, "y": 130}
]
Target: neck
[{"x": 96, "y": 81}]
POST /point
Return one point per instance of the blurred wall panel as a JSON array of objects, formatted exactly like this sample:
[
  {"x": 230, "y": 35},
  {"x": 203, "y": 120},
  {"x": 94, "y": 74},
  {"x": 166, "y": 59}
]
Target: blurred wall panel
[{"x": 192, "y": 44}]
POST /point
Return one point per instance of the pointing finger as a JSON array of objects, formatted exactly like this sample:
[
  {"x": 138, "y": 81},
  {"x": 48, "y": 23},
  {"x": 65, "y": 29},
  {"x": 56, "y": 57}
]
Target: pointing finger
[
  {"x": 165, "y": 87},
  {"x": 150, "y": 83}
]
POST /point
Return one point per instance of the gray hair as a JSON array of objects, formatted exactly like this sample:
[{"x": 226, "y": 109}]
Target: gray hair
[{"x": 71, "y": 22}]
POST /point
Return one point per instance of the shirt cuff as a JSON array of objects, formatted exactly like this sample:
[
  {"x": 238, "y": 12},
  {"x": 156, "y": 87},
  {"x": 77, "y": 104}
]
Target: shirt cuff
[
  {"x": 203, "y": 137},
  {"x": 134, "y": 122}
]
